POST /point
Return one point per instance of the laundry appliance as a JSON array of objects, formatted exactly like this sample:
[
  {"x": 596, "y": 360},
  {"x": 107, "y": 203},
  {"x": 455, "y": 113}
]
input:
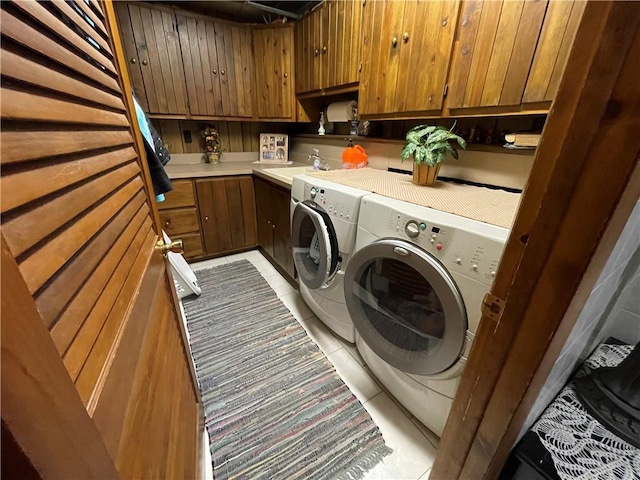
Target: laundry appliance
[
  {"x": 414, "y": 289},
  {"x": 324, "y": 219}
]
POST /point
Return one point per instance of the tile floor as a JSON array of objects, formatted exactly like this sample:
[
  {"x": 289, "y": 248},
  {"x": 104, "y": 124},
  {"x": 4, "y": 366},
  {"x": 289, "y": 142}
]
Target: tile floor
[{"x": 414, "y": 446}]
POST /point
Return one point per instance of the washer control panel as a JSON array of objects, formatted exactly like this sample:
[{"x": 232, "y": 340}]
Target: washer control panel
[
  {"x": 472, "y": 254},
  {"x": 336, "y": 204}
]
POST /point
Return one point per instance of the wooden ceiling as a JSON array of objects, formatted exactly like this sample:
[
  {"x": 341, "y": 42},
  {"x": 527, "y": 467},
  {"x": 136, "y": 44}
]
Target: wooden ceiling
[{"x": 249, "y": 11}]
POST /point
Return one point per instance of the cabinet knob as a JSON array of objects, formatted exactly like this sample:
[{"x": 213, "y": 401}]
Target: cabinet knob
[
  {"x": 273, "y": 226},
  {"x": 145, "y": 62},
  {"x": 221, "y": 72},
  {"x": 166, "y": 223},
  {"x": 286, "y": 74},
  {"x": 215, "y": 71},
  {"x": 394, "y": 41},
  {"x": 324, "y": 49},
  {"x": 134, "y": 60},
  {"x": 405, "y": 37},
  {"x": 206, "y": 219},
  {"x": 268, "y": 222},
  {"x": 317, "y": 52}
]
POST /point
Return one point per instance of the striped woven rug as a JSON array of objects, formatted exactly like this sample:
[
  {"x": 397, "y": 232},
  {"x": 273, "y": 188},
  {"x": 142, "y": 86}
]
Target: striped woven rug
[{"x": 274, "y": 405}]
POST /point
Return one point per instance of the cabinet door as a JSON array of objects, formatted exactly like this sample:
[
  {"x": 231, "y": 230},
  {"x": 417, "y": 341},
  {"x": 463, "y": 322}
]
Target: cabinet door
[
  {"x": 427, "y": 37},
  {"x": 273, "y": 54},
  {"x": 496, "y": 43},
  {"x": 227, "y": 213},
  {"x": 263, "y": 215},
  {"x": 346, "y": 68},
  {"x": 326, "y": 49},
  {"x": 282, "y": 253},
  {"x": 556, "y": 38},
  {"x": 302, "y": 55},
  {"x": 150, "y": 38},
  {"x": 381, "y": 54}
]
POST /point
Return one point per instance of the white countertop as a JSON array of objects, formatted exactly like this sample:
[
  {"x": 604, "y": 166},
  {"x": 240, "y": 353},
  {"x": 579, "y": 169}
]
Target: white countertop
[{"x": 280, "y": 174}]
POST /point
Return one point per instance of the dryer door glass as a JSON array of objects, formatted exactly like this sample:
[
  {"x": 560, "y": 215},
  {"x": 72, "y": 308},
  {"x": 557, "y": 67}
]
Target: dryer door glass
[
  {"x": 315, "y": 246},
  {"x": 406, "y": 306}
]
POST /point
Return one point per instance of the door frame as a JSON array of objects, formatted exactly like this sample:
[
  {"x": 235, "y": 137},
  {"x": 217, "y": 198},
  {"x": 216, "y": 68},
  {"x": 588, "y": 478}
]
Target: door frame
[{"x": 572, "y": 211}]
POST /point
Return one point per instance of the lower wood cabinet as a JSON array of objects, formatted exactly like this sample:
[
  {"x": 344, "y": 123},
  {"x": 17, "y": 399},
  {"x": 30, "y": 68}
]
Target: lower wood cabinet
[
  {"x": 226, "y": 206},
  {"x": 274, "y": 230},
  {"x": 179, "y": 217}
]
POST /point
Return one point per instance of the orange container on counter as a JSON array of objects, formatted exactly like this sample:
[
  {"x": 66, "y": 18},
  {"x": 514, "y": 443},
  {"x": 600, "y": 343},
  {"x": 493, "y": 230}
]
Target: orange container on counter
[{"x": 354, "y": 157}]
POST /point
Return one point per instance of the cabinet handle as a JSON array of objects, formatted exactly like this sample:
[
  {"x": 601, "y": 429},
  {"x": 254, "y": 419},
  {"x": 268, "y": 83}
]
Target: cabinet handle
[
  {"x": 134, "y": 60},
  {"x": 215, "y": 71},
  {"x": 286, "y": 74},
  {"x": 145, "y": 62},
  {"x": 166, "y": 224},
  {"x": 221, "y": 72},
  {"x": 405, "y": 37},
  {"x": 394, "y": 41},
  {"x": 324, "y": 49},
  {"x": 317, "y": 52}
]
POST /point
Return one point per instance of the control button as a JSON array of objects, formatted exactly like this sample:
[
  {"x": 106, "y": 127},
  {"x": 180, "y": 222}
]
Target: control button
[
  {"x": 459, "y": 261},
  {"x": 423, "y": 226},
  {"x": 347, "y": 217},
  {"x": 433, "y": 240},
  {"x": 412, "y": 229},
  {"x": 474, "y": 267},
  {"x": 434, "y": 236},
  {"x": 313, "y": 192},
  {"x": 493, "y": 274},
  {"x": 438, "y": 246}
]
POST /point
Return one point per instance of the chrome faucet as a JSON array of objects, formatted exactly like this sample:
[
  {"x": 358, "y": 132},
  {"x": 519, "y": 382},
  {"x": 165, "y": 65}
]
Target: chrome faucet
[{"x": 317, "y": 161}]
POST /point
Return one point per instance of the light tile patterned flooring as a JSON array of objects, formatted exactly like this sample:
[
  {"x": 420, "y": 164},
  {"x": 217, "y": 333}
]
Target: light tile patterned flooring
[{"x": 414, "y": 446}]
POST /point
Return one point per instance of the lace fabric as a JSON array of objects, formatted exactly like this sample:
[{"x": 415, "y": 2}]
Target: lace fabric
[{"x": 580, "y": 446}]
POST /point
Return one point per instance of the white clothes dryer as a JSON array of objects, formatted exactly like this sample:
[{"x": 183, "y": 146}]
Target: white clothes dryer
[
  {"x": 324, "y": 218},
  {"x": 414, "y": 289}
]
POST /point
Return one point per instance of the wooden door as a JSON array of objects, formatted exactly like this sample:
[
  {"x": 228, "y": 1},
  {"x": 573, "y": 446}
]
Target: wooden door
[
  {"x": 97, "y": 380},
  {"x": 316, "y": 39},
  {"x": 327, "y": 49},
  {"x": 264, "y": 214},
  {"x": 427, "y": 38},
  {"x": 227, "y": 213},
  {"x": 282, "y": 252},
  {"x": 381, "y": 45},
  {"x": 344, "y": 40},
  {"x": 273, "y": 71},
  {"x": 150, "y": 40},
  {"x": 496, "y": 43},
  {"x": 552, "y": 51}
]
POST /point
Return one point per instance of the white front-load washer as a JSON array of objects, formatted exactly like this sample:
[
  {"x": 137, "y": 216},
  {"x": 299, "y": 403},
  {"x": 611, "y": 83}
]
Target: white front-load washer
[
  {"x": 324, "y": 218},
  {"x": 414, "y": 289}
]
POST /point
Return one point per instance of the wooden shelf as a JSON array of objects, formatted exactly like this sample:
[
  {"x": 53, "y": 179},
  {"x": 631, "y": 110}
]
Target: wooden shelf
[{"x": 473, "y": 147}]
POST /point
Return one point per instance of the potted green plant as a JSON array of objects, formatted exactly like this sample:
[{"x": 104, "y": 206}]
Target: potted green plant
[
  {"x": 212, "y": 150},
  {"x": 429, "y": 146}
]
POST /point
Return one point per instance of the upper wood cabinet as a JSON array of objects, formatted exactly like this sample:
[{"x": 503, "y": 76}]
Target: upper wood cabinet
[
  {"x": 511, "y": 52},
  {"x": 328, "y": 46},
  {"x": 274, "y": 75},
  {"x": 218, "y": 66},
  {"x": 406, "y": 47},
  {"x": 150, "y": 41}
]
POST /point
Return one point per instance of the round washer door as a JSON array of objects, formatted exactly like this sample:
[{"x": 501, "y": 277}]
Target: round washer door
[
  {"x": 406, "y": 306},
  {"x": 315, "y": 245}
]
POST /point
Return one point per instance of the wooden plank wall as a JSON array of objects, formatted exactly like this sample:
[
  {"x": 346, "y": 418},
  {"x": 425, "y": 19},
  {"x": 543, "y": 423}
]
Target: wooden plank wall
[{"x": 234, "y": 136}]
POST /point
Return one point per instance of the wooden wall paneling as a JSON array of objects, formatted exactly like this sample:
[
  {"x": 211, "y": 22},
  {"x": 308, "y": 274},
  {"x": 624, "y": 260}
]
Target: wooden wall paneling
[
  {"x": 171, "y": 134},
  {"x": 225, "y": 140},
  {"x": 482, "y": 52},
  {"x": 533, "y": 14},
  {"x": 196, "y": 145},
  {"x": 206, "y": 95},
  {"x": 248, "y": 211},
  {"x": 549, "y": 237},
  {"x": 247, "y": 140},
  {"x": 502, "y": 49},
  {"x": 464, "y": 51},
  {"x": 66, "y": 443},
  {"x": 565, "y": 48},
  {"x": 70, "y": 319},
  {"x": 222, "y": 39},
  {"x": 235, "y": 136},
  {"x": 33, "y": 37},
  {"x": 256, "y": 129}
]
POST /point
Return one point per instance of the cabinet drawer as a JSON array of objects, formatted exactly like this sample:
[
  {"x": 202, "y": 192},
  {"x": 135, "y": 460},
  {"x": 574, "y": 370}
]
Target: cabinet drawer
[
  {"x": 192, "y": 244},
  {"x": 182, "y": 195},
  {"x": 179, "y": 220}
]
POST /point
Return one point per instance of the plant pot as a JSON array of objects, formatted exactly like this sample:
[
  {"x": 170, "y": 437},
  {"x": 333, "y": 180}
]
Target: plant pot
[
  {"x": 423, "y": 174},
  {"x": 212, "y": 157}
]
